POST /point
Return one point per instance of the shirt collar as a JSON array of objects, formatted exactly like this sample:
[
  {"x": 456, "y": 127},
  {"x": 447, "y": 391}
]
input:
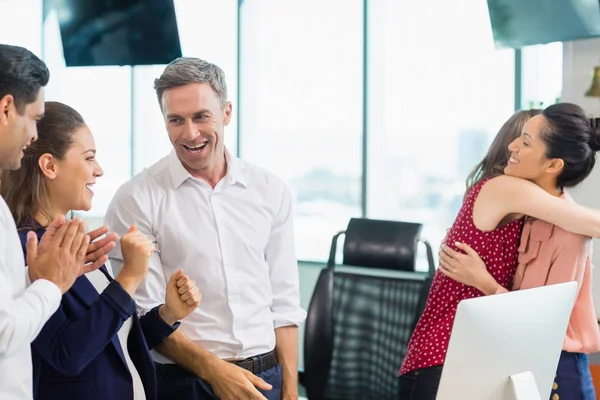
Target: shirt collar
[
  {"x": 235, "y": 170},
  {"x": 234, "y": 174}
]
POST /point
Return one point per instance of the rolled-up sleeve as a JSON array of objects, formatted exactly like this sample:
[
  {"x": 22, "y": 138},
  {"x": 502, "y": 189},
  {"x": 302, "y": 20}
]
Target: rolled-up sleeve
[{"x": 283, "y": 266}]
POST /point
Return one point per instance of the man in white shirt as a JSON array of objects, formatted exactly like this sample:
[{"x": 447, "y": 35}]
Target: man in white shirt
[
  {"x": 229, "y": 225},
  {"x": 54, "y": 266}
]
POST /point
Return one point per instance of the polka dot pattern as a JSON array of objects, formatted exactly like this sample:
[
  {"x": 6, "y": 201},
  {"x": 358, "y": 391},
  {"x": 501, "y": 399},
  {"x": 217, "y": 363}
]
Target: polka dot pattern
[{"x": 498, "y": 249}]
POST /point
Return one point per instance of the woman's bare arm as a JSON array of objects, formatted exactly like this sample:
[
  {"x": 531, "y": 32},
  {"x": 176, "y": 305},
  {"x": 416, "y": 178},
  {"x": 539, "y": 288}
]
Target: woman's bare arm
[{"x": 505, "y": 195}]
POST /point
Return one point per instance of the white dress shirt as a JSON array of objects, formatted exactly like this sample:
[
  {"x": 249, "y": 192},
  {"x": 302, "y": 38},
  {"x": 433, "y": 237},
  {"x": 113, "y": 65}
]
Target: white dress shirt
[
  {"x": 23, "y": 312},
  {"x": 236, "y": 241}
]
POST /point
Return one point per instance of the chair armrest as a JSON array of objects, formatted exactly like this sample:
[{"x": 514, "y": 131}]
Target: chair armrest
[
  {"x": 430, "y": 259},
  {"x": 333, "y": 251},
  {"x": 301, "y": 378}
]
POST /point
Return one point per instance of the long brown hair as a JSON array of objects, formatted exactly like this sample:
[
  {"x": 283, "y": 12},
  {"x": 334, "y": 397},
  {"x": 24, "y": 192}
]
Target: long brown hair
[
  {"x": 24, "y": 190},
  {"x": 497, "y": 156}
]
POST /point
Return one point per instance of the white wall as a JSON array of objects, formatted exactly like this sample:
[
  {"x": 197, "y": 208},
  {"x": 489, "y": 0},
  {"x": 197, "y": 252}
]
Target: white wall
[{"x": 580, "y": 58}]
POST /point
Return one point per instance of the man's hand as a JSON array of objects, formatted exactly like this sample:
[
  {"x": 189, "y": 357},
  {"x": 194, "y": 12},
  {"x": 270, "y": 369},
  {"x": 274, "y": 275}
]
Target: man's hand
[
  {"x": 50, "y": 233},
  {"x": 98, "y": 250},
  {"x": 181, "y": 298},
  {"x": 62, "y": 256},
  {"x": 231, "y": 382}
]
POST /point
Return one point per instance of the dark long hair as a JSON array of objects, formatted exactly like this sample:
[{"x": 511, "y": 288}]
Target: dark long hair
[
  {"x": 24, "y": 190},
  {"x": 573, "y": 137},
  {"x": 497, "y": 156}
]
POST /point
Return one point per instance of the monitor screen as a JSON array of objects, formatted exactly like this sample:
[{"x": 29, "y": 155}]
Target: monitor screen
[
  {"x": 118, "y": 32},
  {"x": 518, "y": 23},
  {"x": 495, "y": 339}
]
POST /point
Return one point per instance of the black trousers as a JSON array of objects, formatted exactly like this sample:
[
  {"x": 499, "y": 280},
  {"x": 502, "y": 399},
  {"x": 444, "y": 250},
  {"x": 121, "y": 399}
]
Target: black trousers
[{"x": 421, "y": 384}]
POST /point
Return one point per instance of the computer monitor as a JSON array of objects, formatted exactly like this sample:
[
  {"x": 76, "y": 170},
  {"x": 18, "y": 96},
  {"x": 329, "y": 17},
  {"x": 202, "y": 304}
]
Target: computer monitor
[{"x": 518, "y": 334}]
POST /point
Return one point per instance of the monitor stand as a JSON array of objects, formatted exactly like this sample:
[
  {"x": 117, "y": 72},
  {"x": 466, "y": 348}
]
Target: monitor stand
[{"x": 524, "y": 386}]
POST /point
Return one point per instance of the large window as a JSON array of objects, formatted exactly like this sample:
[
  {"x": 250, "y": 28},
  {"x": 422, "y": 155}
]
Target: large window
[
  {"x": 434, "y": 95},
  {"x": 21, "y": 24},
  {"x": 150, "y": 139},
  {"x": 542, "y": 73},
  {"x": 301, "y": 108},
  {"x": 438, "y": 93}
]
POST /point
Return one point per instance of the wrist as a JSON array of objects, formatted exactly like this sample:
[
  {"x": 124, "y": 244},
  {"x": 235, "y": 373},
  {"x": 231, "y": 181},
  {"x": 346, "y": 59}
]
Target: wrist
[
  {"x": 208, "y": 366},
  {"x": 289, "y": 384},
  {"x": 488, "y": 286},
  {"x": 32, "y": 275},
  {"x": 62, "y": 284},
  {"x": 289, "y": 393},
  {"x": 166, "y": 315},
  {"x": 128, "y": 282},
  {"x": 35, "y": 272}
]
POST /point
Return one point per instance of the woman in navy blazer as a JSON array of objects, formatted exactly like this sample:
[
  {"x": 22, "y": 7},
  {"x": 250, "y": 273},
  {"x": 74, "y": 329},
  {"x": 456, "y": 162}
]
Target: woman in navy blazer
[{"x": 94, "y": 346}]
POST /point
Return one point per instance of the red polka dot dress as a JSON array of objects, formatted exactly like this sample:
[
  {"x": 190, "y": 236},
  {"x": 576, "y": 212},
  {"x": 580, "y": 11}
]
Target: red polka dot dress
[{"x": 498, "y": 249}]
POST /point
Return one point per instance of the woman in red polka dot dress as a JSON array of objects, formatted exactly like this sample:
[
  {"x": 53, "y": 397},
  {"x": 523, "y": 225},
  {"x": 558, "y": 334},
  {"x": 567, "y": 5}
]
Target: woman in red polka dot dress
[{"x": 490, "y": 222}]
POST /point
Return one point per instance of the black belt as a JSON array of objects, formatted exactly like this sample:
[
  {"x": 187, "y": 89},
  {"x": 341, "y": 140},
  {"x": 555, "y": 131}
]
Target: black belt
[{"x": 259, "y": 363}]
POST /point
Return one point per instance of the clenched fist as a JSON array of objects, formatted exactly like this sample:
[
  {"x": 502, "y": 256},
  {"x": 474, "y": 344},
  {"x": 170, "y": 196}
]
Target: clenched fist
[
  {"x": 136, "y": 249},
  {"x": 181, "y": 298}
]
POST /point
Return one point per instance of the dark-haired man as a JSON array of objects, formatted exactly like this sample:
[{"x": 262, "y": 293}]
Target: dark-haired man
[{"x": 61, "y": 255}]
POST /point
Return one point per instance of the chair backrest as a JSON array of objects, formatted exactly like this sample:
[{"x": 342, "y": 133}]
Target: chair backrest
[
  {"x": 359, "y": 324},
  {"x": 380, "y": 244}
]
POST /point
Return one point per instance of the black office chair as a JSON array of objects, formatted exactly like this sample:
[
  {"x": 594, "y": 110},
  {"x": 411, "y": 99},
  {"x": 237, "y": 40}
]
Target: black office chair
[{"x": 359, "y": 322}]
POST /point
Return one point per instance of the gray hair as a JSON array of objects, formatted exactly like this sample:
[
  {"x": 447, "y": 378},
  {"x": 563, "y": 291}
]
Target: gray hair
[{"x": 185, "y": 70}]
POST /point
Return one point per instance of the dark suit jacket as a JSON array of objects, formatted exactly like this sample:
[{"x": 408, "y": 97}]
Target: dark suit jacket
[{"x": 77, "y": 354}]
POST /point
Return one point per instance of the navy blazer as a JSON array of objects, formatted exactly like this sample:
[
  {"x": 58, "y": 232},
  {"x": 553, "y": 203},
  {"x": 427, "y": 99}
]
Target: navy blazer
[{"x": 77, "y": 354}]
